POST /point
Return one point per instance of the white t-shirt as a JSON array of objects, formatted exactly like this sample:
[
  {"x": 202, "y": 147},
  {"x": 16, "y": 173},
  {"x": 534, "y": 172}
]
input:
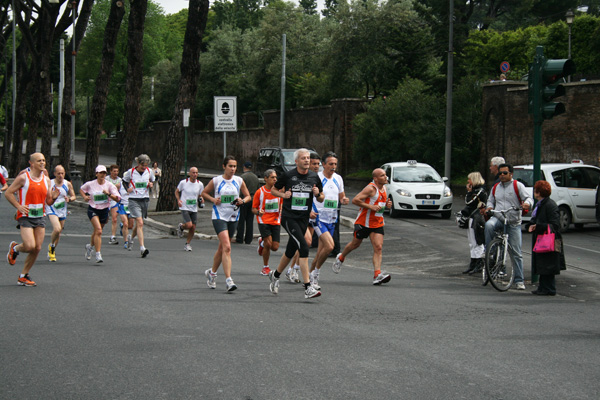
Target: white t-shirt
[
  {"x": 59, "y": 208},
  {"x": 331, "y": 189},
  {"x": 139, "y": 181},
  {"x": 188, "y": 194},
  {"x": 227, "y": 191}
]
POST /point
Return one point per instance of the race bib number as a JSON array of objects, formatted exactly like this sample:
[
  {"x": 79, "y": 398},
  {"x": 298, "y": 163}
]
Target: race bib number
[
  {"x": 381, "y": 210},
  {"x": 330, "y": 203},
  {"x": 272, "y": 206},
  {"x": 141, "y": 185},
  {"x": 36, "y": 210},
  {"x": 300, "y": 201},
  {"x": 228, "y": 198},
  {"x": 191, "y": 202},
  {"x": 60, "y": 205},
  {"x": 100, "y": 198}
]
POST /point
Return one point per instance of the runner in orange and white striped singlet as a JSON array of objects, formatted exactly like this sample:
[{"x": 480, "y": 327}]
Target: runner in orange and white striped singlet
[{"x": 372, "y": 201}]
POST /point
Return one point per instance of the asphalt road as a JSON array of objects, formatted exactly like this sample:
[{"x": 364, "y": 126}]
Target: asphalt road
[{"x": 134, "y": 328}]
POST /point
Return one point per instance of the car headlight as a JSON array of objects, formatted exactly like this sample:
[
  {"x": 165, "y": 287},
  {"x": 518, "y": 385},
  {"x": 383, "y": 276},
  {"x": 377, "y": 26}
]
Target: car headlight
[
  {"x": 447, "y": 192},
  {"x": 403, "y": 192}
]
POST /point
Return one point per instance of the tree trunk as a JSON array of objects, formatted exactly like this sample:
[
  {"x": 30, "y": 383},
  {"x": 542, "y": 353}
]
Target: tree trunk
[
  {"x": 98, "y": 111},
  {"x": 135, "y": 72},
  {"x": 23, "y": 81},
  {"x": 64, "y": 154},
  {"x": 186, "y": 98}
]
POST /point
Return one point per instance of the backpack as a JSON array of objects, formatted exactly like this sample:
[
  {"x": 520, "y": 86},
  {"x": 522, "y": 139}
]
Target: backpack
[{"x": 516, "y": 187}]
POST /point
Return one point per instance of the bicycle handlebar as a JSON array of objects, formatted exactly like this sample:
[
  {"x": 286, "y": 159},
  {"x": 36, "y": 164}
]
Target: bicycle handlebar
[{"x": 490, "y": 212}]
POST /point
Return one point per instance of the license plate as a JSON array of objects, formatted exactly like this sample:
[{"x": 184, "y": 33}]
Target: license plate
[{"x": 428, "y": 202}]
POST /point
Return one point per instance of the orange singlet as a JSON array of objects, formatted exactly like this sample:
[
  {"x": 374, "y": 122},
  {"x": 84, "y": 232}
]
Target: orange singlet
[
  {"x": 271, "y": 205},
  {"x": 33, "y": 194},
  {"x": 369, "y": 218}
]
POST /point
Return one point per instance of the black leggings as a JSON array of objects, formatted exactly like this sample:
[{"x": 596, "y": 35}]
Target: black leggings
[{"x": 296, "y": 228}]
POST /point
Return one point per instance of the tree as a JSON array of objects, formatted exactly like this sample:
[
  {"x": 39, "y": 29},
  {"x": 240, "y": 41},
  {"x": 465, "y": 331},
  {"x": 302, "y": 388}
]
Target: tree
[
  {"x": 186, "y": 98},
  {"x": 98, "y": 111},
  {"x": 308, "y": 6}
]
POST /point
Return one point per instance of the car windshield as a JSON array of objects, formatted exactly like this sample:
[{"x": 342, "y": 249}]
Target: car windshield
[
  {"x": 415, "y": 174},
  {"x": 288, "y": 158}
]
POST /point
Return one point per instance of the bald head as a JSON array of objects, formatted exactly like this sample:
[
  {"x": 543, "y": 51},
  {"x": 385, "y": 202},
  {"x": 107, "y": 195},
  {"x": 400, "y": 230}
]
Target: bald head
[
  {"x": 377, "y": 172},
  {"x": 37, "y": 162},
  {"x": 379, "y": 177}
]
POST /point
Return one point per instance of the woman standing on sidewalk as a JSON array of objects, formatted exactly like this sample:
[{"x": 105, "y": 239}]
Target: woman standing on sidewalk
[
  {"x": 227, "y": 190},
  {"x": 98, "y": 194}
]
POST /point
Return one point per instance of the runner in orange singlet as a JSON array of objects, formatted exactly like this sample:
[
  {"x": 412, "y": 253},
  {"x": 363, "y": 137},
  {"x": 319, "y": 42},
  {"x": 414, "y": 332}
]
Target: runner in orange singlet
[
  {"x": 372, "y": 201},
  {"x": 33, "y": 189}
]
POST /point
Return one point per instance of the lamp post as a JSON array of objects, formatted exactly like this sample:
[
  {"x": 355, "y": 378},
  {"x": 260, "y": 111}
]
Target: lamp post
[{"x": 569, "y": 16}]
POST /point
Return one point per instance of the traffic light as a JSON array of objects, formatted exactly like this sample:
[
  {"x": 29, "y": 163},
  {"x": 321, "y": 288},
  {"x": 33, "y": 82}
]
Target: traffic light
[{"x": 552, "y": 72}]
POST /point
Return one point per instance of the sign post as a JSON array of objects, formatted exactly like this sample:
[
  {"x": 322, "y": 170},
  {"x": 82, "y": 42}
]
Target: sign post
[
  {"x": 186, "y": 123},
  {"x": 225, "y": 112}
]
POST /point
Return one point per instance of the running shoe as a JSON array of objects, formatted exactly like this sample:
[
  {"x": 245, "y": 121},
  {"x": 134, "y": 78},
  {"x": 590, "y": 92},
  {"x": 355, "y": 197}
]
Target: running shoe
[
  {"x": 211, "y": 278},
  {"x": 383, "y": 277},
  {"x": 265, "y": 271},
  {"x": 295, "y": 276},
  {"x": 187, "y": 247},
  {"x": 288, "y": 274},
  {"x": 26, "y": 281},
  {"x": 51, "y": 253},
  {"x": 130, "y": 244},
  {"x": 337, "y": 264},
  {"x": 144, "y": 253},
  {"x": 99, "y": 258},
  {"x": 113, "y": 240},
  {"x": 274, "y": 285},
  {"x": 310, "y": 293},
  {"x": 520, "y": 286},
  {"x": 126, "y": 245},
  {"x": 88, "y": 251},
  {"x": 231, "y": 286},
  {"x": 12, "y": 254},
  {"x": 180, "y": 230},
  {"x": 314, "y": 281},
  {"x": 292, "y": 275},
  {"x": 260, "y": 247}
]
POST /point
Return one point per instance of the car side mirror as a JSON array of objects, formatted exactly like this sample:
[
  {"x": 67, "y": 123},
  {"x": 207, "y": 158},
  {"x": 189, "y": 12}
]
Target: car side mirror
[{"x": 445, "y": 179}]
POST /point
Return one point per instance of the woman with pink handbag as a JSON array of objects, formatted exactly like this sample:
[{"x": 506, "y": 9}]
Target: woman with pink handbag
[{"x": 544, "y": 224}]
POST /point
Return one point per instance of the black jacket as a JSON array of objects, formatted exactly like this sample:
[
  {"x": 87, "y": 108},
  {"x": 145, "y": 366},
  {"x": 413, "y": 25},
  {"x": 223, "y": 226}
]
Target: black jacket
[
  {"x": 472, "y": 200},
  {"x": 547, "y": 263}
]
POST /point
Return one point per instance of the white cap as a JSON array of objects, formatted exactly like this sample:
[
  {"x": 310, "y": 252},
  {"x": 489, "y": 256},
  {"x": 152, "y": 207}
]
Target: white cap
[{"x": 101, "y": 168}]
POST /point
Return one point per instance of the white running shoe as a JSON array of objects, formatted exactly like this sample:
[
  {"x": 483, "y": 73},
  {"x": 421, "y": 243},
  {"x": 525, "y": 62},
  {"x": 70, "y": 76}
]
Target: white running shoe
[
  {"x": 231, "y": 286},
  {"x": 311, "y": 293},
  {"x": 337, "y": 264},
  {"x": 129, "y": 242},
  {"x": 187, "y": 247},
  {"x": 520, "y": 286},
  {"x": 211, "y": 278},
  {"x": 180, "y": 230},
  {"x": 383, "y": 277},
  {"x": 99, "y": 258},
  {"x": 113, "y": 240},
  {"x": 288, "y": 274},
  {"x": 314, "y": 280},
  {"x": 88, "y": 251},
  {"x": 274, "y": 285}
]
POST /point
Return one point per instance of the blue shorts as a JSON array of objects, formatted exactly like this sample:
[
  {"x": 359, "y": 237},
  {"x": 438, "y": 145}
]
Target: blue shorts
[
  {"x": 60, "y": 217},
  {"x": 123, "y": 210},
  {"x": 322, "y": 227}
]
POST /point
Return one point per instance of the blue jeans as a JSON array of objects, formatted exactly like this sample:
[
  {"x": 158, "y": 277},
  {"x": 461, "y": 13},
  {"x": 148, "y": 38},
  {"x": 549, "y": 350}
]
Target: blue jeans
[{"x": 514, "y": 239}]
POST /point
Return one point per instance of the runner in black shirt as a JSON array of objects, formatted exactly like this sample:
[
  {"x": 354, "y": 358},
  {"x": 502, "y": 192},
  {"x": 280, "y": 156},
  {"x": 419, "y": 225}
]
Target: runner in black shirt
[{"x": 297, "y": 188}]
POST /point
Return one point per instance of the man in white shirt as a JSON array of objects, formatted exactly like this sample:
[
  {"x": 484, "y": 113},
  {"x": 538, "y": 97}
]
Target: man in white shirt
[{"x": 188, "y": 196}]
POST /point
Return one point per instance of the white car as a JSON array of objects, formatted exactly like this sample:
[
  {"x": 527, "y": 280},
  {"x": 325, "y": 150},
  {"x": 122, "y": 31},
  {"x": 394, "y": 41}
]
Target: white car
[
  {"x": 573, "y": 189},
  {"x": 417, "y": 187}
]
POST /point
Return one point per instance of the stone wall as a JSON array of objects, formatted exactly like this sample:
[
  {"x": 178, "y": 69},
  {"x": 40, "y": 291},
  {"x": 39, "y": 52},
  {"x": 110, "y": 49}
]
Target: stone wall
[{"x": 508, "y": 128}]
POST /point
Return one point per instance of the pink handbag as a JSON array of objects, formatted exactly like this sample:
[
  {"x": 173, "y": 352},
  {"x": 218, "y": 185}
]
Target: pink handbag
[{"x": 545, "y": 242}]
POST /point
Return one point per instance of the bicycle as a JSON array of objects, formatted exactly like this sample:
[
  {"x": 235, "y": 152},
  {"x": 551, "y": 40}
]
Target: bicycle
[{"x": 498, "y": 269}]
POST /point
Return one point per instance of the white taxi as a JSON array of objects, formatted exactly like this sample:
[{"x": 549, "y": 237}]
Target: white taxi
[
  {"x": 417, "y": 187},
  {"x": 573, "y": 189}
]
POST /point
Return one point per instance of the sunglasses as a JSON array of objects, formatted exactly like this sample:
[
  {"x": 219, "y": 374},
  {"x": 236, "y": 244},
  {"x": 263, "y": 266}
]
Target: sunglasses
[{"x": 504, "y": 172}]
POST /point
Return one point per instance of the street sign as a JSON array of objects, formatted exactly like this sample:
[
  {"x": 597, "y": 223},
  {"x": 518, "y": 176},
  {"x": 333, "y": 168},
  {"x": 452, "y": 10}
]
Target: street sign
[
  {"x": 186, "y": 117},
  {"x": 225, "y": 112},
  {"x": 504, "y": 66}
]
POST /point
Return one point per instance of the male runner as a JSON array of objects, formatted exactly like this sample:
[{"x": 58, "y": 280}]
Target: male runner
[
  {"x": 34, "y": 193},
  {"x": 139, "y": 180},
  {"x": 372, "y": 201},
  {"x": 297, "y": 187},
  {"x": 267, "y": 209},
  {"x": 57, "y": 213},
  {"x": 114, "y": 178},
  {"x": 333, "y": 188},
  {"x": 188, "y": 193}
]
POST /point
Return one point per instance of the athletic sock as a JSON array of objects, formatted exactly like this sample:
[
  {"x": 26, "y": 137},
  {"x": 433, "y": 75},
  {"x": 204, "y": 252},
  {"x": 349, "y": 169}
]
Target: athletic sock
[
  {"x": 306, "y": 285},
  {"x": 276, "y": 274}
]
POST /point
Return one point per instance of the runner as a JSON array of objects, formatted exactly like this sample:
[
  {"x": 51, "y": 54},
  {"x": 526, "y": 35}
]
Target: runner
[
  {"x": 114, "y": 205},
  {"x": 226, "y": 190},
  {"x": 297, "y": 187},
  {"x": 188, "y": 193},
  {"x": 57, "y": 213},
  {"x": 125, "y": 216},
  {"x": 98, "y": 194},
  {"x": 34, "y": 193},
  {"x": 267, "y": 209},
  {"x": 372, "y": 201},
  {"x": 141, "y": 179},
  {"x": 333, "y": 188}
]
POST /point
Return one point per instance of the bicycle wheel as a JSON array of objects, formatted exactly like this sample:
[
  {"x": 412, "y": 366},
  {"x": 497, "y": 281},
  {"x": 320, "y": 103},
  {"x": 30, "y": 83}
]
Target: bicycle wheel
[{"x": 499, "y": 271}]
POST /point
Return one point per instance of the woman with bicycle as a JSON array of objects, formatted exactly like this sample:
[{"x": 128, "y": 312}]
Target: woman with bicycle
[
  {"x": 475, "y": 199},
  {"x": 546, "y": 265}
]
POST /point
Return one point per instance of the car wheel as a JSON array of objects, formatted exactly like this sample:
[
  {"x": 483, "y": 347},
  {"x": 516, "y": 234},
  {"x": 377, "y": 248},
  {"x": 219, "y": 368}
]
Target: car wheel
[
  {"x": 564, "y": 216},
  {"x": 393, "y": 212},
  {"x": 446, "y": 214}
]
